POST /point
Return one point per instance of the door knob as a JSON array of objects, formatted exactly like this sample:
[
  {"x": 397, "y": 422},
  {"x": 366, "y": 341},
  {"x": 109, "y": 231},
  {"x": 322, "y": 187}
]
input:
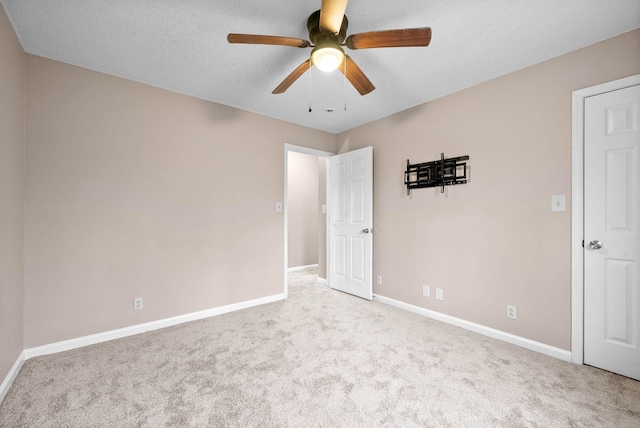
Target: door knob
[
  {"x": 365, "y": 231},
  {"x": 595, "y": 244}
]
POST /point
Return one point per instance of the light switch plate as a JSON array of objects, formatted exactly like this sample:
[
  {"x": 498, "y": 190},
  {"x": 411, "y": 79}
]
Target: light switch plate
[{"x": 558, "y": 203}]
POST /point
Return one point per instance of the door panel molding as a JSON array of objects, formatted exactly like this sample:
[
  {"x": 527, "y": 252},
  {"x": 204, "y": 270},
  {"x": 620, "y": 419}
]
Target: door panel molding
[{"x": 577, "y": 208}]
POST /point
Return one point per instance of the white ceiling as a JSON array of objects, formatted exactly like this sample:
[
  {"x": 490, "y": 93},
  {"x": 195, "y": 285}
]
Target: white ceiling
[{"x": 181, "y": 46}]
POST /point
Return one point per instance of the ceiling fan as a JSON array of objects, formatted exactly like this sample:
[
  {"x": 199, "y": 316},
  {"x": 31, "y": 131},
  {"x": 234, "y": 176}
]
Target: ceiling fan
[{"x": 328, "y": 33}]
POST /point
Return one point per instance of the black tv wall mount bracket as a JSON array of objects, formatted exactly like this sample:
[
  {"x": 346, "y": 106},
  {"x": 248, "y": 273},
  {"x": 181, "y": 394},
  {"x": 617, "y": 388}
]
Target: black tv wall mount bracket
[{"x": 439, "y": 173}]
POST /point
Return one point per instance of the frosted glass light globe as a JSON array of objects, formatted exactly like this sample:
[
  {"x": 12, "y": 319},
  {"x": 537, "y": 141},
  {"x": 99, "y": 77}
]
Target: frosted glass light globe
[{"x": 327, "y": 58}]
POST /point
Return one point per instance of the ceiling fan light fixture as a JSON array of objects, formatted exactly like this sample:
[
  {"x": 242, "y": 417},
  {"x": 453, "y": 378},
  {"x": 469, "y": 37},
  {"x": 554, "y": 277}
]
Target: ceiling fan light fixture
[{"x": 327, "y": 57}]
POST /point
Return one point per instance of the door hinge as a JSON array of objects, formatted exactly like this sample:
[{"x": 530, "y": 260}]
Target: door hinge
[{"x": 583, "y": 243}]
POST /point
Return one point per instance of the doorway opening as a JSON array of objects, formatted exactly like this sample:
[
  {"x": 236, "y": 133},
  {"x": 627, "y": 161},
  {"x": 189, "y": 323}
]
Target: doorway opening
[{"x": 305, "y": 210}]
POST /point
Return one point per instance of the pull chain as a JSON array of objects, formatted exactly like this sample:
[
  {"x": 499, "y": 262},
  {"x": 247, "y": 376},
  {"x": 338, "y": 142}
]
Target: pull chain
[
  {"x": 344, "y": 86},
  {"x": 309, "y": 90}
]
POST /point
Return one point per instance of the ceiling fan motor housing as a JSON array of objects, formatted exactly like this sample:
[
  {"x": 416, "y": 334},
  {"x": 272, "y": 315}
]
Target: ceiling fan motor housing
[{"x": 319, "y": 36}]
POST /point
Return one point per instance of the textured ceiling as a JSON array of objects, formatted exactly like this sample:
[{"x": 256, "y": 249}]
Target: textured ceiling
[{"x": 181, "y": 46}]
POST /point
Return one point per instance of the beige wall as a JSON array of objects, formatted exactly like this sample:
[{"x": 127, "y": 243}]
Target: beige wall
[
  {"x": 134, "y": 191},
  {"x": 493, "y": 241},
  {"x": 12, "y": 127},
  {"x": 302, "y": 209}
]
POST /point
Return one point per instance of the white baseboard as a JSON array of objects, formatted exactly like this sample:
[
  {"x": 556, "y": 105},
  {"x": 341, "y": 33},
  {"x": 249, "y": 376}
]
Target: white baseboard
[
  {"x": 11, "y": 376},
  {"x": 79, "y": 342},
  {"x": 168, "y": 322},
  {"x": 322, "y": 281},
  {"x": 477, "y": 328},
  {"x": 299, "y": 268}
]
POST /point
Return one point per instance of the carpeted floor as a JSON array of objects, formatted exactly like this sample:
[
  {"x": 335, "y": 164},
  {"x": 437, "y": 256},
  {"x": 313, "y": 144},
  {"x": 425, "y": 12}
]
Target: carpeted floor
[{"x": 320, "y": 359}]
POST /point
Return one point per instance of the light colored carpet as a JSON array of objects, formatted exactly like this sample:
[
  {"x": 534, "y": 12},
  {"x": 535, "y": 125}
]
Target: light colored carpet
[{"x": 320, "y": 359}]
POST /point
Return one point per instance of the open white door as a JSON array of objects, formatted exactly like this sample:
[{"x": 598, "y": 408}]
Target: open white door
[
  {"x": 351, "y": 222},
  {"x": 612, "y": 231}
]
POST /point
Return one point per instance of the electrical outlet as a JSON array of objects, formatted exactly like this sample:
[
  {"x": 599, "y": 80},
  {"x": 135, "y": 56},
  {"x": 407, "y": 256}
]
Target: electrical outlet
[
  {"x": 379, "y": 279},
  {"x": 439, "y": 294},
  {"x": 426, "y": 291},
  {"x": 137, "y": 303},
  {"x": 511, "y": 312}
]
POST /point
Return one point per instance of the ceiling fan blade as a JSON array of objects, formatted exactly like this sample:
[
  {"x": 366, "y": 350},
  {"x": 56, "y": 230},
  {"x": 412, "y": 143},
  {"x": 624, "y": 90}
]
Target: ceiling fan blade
[
  {"x": 331, "y": 15},
  {"x": 390, "y": 38},
  {"x": 357, "y": 78},
  {"x": 295, "y": 74},
  {"x": 256, "y": 39}
]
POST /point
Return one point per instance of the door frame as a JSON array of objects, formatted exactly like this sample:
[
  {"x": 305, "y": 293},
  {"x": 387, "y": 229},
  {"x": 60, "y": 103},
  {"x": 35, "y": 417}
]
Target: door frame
[
  {"x": 577, "y": 208},
  {"x": 314, "y": 152}
]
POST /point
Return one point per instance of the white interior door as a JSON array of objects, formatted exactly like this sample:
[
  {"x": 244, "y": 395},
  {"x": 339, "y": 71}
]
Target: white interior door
[
  {"x": 612, "y": 240},
  {"x": 351, "y": 222}
]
